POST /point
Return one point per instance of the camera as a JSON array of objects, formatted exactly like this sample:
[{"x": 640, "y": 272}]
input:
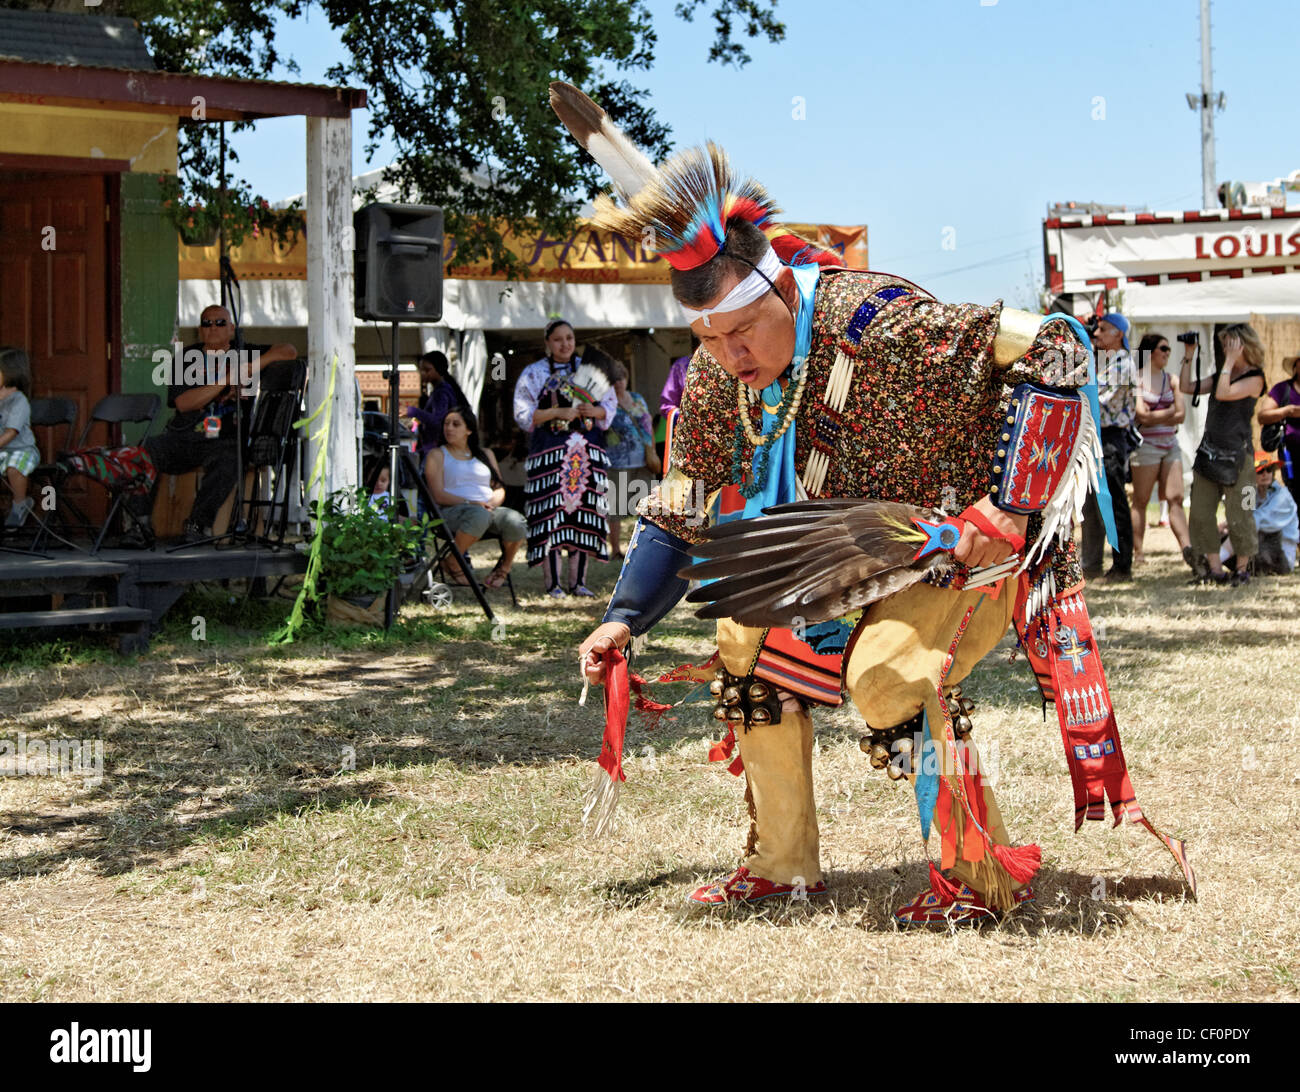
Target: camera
[{"x": 1189, "y": 338}]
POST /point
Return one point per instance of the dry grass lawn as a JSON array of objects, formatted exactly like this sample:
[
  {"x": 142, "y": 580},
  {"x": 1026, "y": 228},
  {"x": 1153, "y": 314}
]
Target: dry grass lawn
[{"x": 230, "y": 854}]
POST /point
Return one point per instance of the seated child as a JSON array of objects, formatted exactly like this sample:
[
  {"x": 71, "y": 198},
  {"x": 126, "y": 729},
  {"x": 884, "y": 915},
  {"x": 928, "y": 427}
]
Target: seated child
[{"x": 18, "y": 452}]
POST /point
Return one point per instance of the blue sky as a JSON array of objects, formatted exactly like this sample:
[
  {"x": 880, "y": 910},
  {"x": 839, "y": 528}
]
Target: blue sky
[{"x": 946, "y": 114}]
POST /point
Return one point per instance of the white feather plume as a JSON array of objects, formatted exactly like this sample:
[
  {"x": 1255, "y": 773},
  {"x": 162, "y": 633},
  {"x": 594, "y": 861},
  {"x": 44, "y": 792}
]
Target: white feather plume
[{"x": 628, "y": 167}]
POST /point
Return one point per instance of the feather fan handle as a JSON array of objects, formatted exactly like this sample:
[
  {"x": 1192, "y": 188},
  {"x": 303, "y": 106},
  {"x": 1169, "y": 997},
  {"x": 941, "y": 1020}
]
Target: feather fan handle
[{"x": 625, "y": 163}]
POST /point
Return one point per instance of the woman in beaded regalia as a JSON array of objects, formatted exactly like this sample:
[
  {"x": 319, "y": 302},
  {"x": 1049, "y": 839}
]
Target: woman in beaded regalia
[{"x": 567, "y": 466}]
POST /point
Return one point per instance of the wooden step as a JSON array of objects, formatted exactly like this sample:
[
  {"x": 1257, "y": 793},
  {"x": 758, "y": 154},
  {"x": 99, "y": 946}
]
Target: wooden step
[
  {"x": 42, "y": 619},
  {"x": 20, "y": 568}
]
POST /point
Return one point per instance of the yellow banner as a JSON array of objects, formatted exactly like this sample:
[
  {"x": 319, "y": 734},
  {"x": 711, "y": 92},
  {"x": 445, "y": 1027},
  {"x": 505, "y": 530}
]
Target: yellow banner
[{"x": 588, "y": 256}]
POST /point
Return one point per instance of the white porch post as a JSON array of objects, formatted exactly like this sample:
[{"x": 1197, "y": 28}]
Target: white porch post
[{"x": 330, "y": 297}]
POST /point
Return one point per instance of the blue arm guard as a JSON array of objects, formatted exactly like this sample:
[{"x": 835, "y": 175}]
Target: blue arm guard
[{"x": 648, "y": 587}]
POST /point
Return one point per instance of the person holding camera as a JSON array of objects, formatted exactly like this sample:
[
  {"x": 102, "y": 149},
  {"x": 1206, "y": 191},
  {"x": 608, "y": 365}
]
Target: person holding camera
[
  {"x": 1281, "y": 406},
  {"x": 1223, "y": 468},
  {"x": 1117, "y": 394}
]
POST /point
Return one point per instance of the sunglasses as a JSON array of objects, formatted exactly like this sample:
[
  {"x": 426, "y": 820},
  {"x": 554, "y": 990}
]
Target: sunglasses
[
  {"x": 1162, "y": 348},
  {"x": 205, "y": 323}
]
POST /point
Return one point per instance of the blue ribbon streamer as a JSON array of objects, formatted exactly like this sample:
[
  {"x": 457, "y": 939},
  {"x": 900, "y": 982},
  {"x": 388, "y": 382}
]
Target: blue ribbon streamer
[
  {"x": 780, "y": 487},
  {"x": 926, "y": 769}
]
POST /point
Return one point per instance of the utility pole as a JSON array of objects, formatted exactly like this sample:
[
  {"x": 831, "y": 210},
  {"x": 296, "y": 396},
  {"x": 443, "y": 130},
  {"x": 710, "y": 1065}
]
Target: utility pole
[{"x": 1207, "y": 103}]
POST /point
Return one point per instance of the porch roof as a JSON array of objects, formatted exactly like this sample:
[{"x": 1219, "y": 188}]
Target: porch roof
[{"x": 224, "y": 98}]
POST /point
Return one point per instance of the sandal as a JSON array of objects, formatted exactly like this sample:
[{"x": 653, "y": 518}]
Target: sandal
[
  {"x": 457, "y": 577},
  {"x": 496, "y": 577}
]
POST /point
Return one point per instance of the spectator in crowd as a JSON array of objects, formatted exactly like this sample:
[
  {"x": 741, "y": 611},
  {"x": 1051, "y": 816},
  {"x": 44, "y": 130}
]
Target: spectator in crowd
[
  {"x": 630, "y": 445},
  {"x": 1158, "y": 459},
  {"x": 1282, "y": 403},
  {"x": 193, "y": 440},
  {"x": 439, "y": 392},
  {"x": 466, "y": 482},
  {"x": 1276, "y": 522},
  {"x": 19, "y": 455},
  {"x": 1223, "y": 467},
  {"x": 391, "y": 505},
  {"x": 1117, "y": 394},
  {"x": 670, "y": 398},
  {"x": 566, "y": 464}
]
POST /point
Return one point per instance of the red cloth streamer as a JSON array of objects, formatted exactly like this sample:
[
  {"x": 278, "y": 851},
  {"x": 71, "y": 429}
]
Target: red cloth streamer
[
  {"x": 985, "y": 526},
  {"x": 620, "y": 684},
  {"x": 644, "y": 703},
  {"x": 616, "y": 704},
  {"x": 722, "y": 750},
  {"x": 787, "y": 245},
  {"x": 941, "y": 885},
  {"x": 1067, "y": 663}
]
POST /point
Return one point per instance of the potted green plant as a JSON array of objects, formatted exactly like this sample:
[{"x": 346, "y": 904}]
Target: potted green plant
[{"x": 364, "y": 549}]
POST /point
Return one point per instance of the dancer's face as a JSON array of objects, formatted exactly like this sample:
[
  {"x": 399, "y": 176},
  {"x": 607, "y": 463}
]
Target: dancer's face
[
  {"x": 756, "y": 343},
  {"x": 561, "y": 344}
]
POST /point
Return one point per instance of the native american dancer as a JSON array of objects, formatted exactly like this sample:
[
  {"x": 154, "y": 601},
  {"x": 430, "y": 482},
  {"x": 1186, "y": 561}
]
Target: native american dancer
[{"x": 812, "y": 381}]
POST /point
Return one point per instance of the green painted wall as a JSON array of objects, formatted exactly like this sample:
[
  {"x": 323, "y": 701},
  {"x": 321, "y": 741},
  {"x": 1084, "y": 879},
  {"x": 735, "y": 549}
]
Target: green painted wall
[{"x": 149, "y": 286}]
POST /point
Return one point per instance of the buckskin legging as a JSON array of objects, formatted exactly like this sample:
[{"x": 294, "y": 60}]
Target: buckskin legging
[{"x": 892, "y": 671}]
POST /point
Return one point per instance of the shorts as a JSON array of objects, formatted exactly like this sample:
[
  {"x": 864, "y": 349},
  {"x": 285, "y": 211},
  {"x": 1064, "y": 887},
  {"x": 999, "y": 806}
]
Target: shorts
[
  {"x": 1154, "y": 453},
  {"x": 476, "y": 521},
  {"x": 24, "y": 460}
]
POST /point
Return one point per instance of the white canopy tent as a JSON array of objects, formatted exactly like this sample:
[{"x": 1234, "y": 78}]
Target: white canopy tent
[{"x": 1175, "y": 272}]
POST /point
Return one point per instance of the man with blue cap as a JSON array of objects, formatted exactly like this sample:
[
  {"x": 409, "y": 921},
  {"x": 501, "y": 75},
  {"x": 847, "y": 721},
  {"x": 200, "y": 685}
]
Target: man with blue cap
[{"x": 1117, "y": 394}]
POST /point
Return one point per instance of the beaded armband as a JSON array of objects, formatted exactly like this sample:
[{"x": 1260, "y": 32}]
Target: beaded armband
[{"x": 1036, "y": 446}]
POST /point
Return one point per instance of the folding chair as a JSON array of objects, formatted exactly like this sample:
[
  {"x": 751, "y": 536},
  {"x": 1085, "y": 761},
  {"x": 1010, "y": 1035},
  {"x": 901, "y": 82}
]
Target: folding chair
[
  {"x": 444, "y": 550},
  {"x": 50, "y": 413},
  {"x": 116, "y": 410},
  {"x": 273, "y": 447}
]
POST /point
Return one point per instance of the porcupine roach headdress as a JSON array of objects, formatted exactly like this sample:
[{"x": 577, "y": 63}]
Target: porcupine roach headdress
[{"x": 687, "y": 201}]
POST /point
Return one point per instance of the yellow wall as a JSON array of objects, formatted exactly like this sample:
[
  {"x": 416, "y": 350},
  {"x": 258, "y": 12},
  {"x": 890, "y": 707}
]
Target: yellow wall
[{"x": 148, "y": 141}]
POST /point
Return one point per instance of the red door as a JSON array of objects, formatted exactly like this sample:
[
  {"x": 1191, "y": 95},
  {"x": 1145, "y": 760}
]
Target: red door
[{"x": 54, "y": 293}]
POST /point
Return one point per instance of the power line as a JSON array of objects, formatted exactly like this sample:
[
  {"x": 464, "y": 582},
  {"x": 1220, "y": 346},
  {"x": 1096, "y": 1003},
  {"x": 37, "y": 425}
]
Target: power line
[
  {"x": 1000, "y": 260},
  {"x": 968, "y": 246}
]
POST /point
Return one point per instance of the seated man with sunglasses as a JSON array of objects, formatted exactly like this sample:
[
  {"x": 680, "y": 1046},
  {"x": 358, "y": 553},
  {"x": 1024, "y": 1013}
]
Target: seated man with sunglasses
[{"x": 201, "y": 433}]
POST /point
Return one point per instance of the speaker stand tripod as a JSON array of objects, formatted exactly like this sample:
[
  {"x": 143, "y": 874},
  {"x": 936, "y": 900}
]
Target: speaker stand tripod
[{"x": 398, "y": 454}]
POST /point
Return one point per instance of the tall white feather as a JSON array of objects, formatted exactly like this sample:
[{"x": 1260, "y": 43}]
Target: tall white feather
[
  {"x": 627, "y": 166},
  {"x": 625, "y": 163}
]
